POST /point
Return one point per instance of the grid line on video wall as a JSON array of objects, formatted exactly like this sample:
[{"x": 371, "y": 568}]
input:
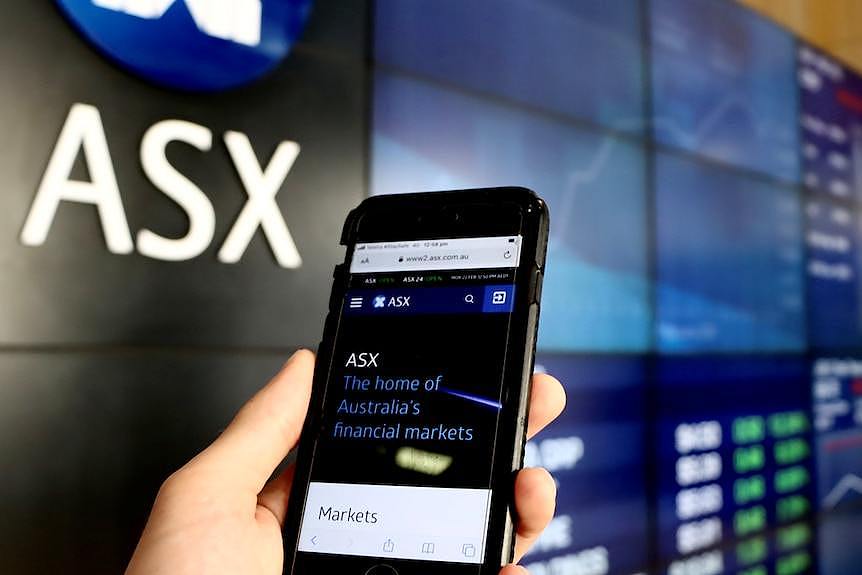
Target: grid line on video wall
[{"x": 703, "y": 169}]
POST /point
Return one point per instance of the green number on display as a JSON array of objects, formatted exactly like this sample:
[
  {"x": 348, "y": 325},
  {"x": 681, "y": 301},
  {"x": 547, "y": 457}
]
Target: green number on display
[
  {"x": 751, "y": 551},
  {"x": 792, "y": 564},
  {"x": 791, "y": 451},
  {"x": 748, "y": 489},
  {"x": 748, "y": 429},
  {"x": 748, "y": 521},
  {"x": 791, "y": 479},
  {"x": 790, "y": 508},
  {"x": 788, "y": 423},
  {"x": 747, "y": 459},
  {"x": 793, "y": 536}
]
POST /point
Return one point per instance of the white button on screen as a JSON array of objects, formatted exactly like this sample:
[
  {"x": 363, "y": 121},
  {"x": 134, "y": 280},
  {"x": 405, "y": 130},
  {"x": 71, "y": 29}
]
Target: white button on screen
[{"x": 404, "y": 522}]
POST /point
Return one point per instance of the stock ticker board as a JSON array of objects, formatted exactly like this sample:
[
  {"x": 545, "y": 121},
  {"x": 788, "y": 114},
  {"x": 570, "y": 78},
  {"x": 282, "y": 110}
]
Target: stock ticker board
[
  {"x": 735, "y": 488},
  {"x": 702, "y": 301}
]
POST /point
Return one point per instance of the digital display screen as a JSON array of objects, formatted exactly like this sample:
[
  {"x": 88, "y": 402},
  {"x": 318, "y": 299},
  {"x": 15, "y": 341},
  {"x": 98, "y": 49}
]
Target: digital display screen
[
  {"x": 601, "y": 524},
  {"x": 735, "y": 473},
  {"x": 831, "y": 121},
  {"x": 831, "y": 150},
  {"x": 403, "y": 465},
  {"x": 836, "y": 392},
  {"x": 729, "y": 261},
  {"x": 723, "y": 84},
  {"x": 595, "y": 294},
  {"x": 832, "y": 238},
  {"x": 702, "y": 302},
  {"x": 459, "y": 43}
]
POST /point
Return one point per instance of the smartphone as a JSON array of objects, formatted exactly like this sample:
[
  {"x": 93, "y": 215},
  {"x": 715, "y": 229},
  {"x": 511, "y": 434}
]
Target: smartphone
[{"x": 418, "y": 413}]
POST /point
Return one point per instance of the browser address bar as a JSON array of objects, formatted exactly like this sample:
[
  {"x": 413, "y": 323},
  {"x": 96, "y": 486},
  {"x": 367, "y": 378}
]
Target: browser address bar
[{"x": 445, "y": 254}]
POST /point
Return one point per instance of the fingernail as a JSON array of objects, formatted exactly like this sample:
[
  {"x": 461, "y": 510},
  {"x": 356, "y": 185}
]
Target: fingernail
[{"x": 293, "y": 356}]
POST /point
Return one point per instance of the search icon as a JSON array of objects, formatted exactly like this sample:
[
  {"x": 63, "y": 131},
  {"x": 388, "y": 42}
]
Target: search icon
[{"x": 468, "y": 298}]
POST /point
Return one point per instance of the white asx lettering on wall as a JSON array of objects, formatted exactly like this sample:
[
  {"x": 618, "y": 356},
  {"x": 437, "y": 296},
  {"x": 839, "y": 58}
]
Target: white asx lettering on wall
[{"x": 83, "y": 131}]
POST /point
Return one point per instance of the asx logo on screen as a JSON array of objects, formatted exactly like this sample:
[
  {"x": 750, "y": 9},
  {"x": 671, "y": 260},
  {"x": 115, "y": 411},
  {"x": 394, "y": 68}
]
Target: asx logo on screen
[{"x": 196, "y": 45}]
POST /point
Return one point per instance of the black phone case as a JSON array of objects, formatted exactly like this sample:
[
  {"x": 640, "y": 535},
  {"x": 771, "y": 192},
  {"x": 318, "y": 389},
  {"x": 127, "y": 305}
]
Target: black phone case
[{"x": 520, "y": 357}]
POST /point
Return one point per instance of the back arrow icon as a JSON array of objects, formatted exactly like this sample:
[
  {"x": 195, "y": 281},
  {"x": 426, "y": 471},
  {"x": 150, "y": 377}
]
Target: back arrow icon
[{"x": 314, "y": 540}]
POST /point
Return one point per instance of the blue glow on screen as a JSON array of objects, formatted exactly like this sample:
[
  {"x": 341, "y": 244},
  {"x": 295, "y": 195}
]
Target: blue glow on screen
[
  {"x": 724, "y": 85},
  {"x": 838, "y": 539},
  {"x": 836, "y": 386},
  {"x": 601, "y": 516},
  {"x": 533, "y": 52},
  {"x": 833, "y": 235},
  {"x": 729, "y": 261},
  {"x": 831, "y": 121},
  {"x": 595, "y": 297}
]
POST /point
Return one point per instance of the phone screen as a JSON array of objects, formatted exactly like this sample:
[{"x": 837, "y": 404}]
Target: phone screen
[{"x": 402, "y": 469}]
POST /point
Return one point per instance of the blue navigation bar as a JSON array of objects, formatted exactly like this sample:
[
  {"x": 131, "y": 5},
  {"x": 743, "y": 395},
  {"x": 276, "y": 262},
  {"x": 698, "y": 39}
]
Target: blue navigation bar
[{"x": 444, "y": 299}]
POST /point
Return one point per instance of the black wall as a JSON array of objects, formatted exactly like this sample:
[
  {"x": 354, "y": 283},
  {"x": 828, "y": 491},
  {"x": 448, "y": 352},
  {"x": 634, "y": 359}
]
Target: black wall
[{"x": 115, "y": 369}]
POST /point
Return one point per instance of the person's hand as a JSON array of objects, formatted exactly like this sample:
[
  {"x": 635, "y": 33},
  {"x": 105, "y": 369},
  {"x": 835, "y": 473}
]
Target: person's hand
[{"x": 220, "y": 513}]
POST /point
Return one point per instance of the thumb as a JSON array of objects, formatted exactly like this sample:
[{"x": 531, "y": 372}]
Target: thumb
[{"x": 264, "y": 430}]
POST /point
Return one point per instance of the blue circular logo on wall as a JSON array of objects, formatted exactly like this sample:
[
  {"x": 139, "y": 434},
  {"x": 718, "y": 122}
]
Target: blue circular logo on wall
[{"x": 199, "y": 45}]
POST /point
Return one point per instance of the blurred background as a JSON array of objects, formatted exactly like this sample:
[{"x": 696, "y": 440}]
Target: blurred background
[{"x": 703, "y": 164}]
